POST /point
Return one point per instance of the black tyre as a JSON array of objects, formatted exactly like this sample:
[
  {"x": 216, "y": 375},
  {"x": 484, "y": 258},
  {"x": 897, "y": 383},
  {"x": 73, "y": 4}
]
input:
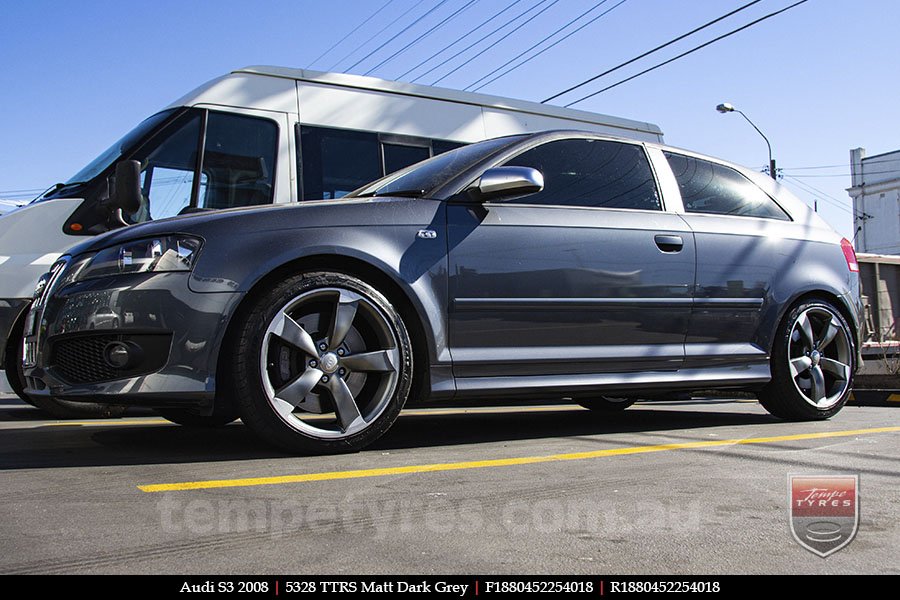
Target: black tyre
[
  {"x": 187, "y": 418},
  {"x": 58, "y": 409},
  {"x": 606, "y": 404},
  {"x": 813, "y": 360},
  {"x": 321, "y": 363}
]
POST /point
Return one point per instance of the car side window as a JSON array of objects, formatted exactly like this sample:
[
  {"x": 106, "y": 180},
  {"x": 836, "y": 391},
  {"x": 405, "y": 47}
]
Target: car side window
[
  {"x": 591, "y": 173},
  {"x": 711, "y": 188}
]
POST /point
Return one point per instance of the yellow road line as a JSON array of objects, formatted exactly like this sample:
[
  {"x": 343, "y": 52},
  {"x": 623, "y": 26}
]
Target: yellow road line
[
  {"x": 894, "y": 398},
  {"x": 500, "y": 462},
  {"x": 107, "y": 422}
]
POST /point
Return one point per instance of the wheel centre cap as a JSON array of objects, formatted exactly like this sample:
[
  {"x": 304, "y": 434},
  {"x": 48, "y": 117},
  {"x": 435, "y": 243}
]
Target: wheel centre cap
[
  {"x": 329, "y": 362},
  {"x": 815, "y": 357}
]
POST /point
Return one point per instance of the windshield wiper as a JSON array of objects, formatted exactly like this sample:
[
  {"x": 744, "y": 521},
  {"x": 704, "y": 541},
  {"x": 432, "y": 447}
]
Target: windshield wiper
[{"x": 397, "y": 193}]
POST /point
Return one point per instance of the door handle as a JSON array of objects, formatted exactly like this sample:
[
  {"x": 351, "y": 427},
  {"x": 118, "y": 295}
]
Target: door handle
[{"x": 669, "y": 243}]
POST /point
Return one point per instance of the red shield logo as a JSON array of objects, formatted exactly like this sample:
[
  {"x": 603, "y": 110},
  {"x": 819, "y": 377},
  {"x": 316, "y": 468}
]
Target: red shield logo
[{"x": 824, "y": 511}]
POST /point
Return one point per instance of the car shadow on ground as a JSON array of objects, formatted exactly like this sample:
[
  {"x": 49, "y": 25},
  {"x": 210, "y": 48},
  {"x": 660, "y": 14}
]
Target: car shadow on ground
[{"x": 62, "y": 445}]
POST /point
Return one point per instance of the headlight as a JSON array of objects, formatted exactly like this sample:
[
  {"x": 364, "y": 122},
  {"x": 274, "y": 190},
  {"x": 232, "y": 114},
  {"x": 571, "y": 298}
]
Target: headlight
[{"x": 151, "y": 255}]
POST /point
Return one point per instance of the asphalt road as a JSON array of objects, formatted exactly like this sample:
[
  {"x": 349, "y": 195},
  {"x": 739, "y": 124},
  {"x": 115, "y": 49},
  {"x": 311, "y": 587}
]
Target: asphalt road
[{"x": 661, "y": 488}]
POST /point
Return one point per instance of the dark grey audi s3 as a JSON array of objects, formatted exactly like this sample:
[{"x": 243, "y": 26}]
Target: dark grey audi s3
[{"x": 551, "y": 265}]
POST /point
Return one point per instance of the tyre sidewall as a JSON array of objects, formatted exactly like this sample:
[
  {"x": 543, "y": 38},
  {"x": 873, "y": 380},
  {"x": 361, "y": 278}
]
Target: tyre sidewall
[
  {"x": 781, "y": 396},
  {"x": 250, "y": 398}
]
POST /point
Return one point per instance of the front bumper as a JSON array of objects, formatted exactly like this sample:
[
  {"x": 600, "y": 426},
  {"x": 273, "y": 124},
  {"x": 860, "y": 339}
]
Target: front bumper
[{"x": 173, "y": 333}]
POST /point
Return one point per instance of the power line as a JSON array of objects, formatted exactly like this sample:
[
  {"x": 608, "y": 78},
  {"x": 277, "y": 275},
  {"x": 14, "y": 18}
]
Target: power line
[
  {"x": 352, "y": 31},
  {"x": 562, "y": 39},
  {"x": 463, "y": 51},
  {"x": 649, "y": 52},
  {"x": 897, "y": 171},
  {"x": 503, "y": 37},
  {"x": 822, "y": 195},
  {"x": 423, "y": 36},
  {"x": 399, "y": 33},
  {"x": 375, "y": 35},
  {"x": 691, "y": 51},
  {"x": 458, "y": 40},
  {"x": 841, "y": 166}
]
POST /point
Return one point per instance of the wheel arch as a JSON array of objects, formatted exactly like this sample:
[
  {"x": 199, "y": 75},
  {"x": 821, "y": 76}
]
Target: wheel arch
[
  {"x": 839, "y": 302},
  {"x": 400, "y": 295}
]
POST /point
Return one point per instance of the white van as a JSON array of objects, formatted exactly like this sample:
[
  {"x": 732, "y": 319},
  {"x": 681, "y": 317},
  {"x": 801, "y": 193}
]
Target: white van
[{"x": 261, "y": 135}]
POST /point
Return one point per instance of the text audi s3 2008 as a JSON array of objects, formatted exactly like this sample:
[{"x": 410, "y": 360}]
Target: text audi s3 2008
[{"x": 552, "y": 265}]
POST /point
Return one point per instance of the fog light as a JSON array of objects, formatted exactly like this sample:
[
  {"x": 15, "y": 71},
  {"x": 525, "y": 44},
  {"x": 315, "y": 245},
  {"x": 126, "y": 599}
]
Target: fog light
[{"x": 119, "y": 355}]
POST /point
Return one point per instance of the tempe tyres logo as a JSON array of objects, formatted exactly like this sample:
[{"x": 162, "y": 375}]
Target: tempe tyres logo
[{"x": 824, "y": 511}]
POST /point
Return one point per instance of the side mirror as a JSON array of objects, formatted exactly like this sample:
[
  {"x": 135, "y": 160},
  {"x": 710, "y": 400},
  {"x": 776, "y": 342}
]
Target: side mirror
[
  {"x": 502, "y": 183},
  {"x": 126, "y": 194}
]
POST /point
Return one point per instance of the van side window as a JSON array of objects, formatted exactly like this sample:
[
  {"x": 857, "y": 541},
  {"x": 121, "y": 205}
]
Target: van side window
[
  {"x": 398, "y": 156},
  {"x": 335, "y": 161},
  {"x": 591, "y": 173},
  {"x": 167, "y": 170},
  {"x": 238, "y": 161},
  {"x": 710, "y": 188}
]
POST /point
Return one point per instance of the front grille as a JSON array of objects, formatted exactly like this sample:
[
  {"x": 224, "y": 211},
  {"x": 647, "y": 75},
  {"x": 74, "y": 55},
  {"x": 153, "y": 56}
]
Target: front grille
[{"x": 80, "y": 360}]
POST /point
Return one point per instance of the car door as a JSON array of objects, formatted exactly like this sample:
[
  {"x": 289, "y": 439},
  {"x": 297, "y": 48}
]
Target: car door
[
  {"x": 589, "y": 275},
  {"x": 743, "y": 238}
]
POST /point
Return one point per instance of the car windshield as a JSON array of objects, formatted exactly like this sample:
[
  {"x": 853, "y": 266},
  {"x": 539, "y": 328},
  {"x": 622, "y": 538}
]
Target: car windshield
[
  {"x": 421, "y": 178},
  {"x": 114, "y": 152}
]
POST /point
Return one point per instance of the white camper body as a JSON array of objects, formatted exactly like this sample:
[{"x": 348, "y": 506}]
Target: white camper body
[{"x": 267, "y": 135}]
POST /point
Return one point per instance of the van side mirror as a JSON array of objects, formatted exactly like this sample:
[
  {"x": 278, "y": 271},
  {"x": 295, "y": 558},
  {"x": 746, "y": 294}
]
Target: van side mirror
[
  {"x": 126, "y": 194},
  {"x": 501, "y": 183}
]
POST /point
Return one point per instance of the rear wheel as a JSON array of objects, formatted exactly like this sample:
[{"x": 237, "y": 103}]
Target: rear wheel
[
  {"x": 606, "y": 404},
  {"x": 322, "y": 363},
  {"x": 813, "y": 361},
  {"x": 58, "y": 409}
]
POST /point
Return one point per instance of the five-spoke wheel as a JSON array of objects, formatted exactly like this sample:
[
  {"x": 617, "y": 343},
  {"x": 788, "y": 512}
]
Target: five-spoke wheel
[
  {"x": 332, "y": 362},
  {"x": 812, "y": 363}
]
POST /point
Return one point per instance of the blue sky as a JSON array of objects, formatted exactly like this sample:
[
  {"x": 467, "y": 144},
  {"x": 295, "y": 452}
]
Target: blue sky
[{"x": 819, "y": 80}]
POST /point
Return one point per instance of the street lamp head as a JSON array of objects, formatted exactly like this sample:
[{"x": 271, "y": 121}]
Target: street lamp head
[{"x": 725, "y": 107}]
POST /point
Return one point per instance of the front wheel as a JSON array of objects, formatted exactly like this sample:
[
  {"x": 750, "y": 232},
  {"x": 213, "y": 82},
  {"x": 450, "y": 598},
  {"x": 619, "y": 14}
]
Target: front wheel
[
  {"x": 322, "y": 363},
  {"x": 813, "y": 360}
]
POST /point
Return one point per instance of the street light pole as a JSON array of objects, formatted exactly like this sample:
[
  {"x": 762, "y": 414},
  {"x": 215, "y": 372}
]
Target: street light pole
[{"x": 725, "y": 107}]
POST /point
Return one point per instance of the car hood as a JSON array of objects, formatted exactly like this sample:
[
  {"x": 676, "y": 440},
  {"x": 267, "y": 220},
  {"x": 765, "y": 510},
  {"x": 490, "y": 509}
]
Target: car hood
[{"x": 272, "y": 217}]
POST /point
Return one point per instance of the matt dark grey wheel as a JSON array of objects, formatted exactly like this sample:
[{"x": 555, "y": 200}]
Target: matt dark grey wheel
[
  {"x": 332, "y": 364},
  {"x": 812, "y": 363}
]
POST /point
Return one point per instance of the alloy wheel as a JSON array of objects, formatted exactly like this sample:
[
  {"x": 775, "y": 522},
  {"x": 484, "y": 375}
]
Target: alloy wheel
[
  {"x": 329, "y": 363},
  {"x": 820, "y": 357}
]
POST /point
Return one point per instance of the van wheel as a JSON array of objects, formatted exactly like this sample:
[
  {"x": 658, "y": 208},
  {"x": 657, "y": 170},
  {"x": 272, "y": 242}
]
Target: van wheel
[
  {"x": 58, "y": 409},
  {"x": 813, "y": 360},
  {"x": 606, "y": 404},
  {"x": 321, "y": 363}
]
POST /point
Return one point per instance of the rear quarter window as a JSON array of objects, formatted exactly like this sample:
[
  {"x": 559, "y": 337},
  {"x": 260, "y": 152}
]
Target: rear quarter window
[{"x": 710, "y": 188}]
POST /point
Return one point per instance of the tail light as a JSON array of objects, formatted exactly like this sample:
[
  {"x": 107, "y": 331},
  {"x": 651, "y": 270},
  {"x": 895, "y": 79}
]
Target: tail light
[{"x": 850, "y": 255}]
